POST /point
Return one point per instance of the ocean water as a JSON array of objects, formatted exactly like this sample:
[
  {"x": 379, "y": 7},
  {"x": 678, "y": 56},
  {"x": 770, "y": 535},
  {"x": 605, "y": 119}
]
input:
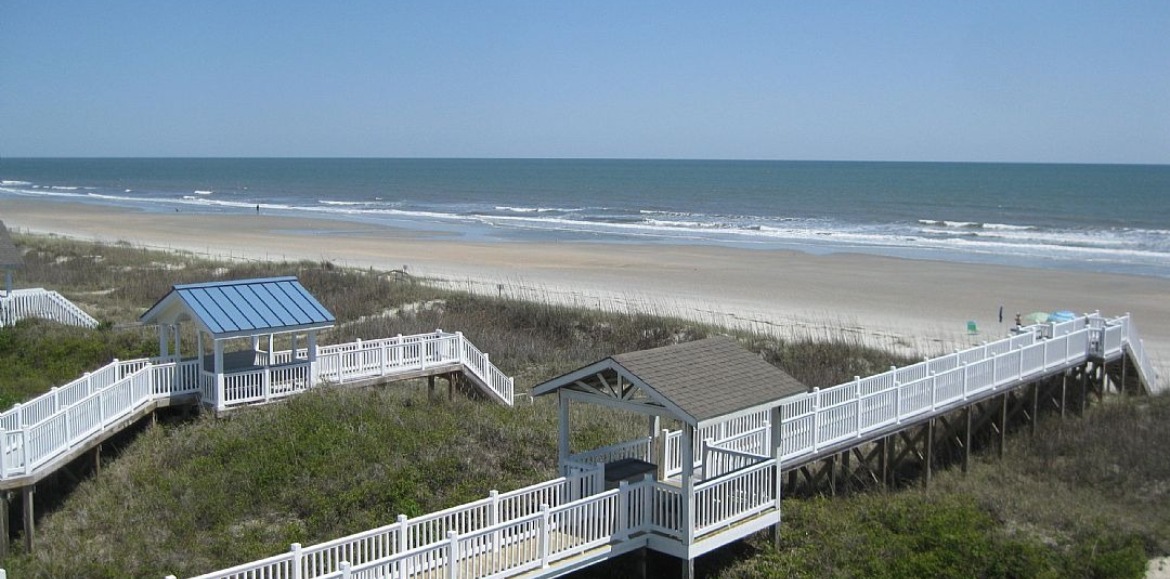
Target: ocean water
[{"x": 1107, "y": 218}]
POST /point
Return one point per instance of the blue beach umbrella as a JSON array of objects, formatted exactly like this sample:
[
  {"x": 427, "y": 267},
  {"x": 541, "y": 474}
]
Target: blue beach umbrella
[{"x": 1062, "y": 316}]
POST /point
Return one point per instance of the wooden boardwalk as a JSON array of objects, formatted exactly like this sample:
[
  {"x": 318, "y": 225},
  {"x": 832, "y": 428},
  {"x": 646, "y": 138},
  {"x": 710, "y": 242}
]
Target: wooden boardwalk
[
  {"x": 44, "y": 434},
  {"x": 554, "y": 527},
  {"x": 40, "y": 303}
]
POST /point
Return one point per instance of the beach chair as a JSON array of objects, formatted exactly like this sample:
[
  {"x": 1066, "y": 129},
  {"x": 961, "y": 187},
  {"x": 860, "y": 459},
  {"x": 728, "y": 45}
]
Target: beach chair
[{"x": 972, "y": 328}]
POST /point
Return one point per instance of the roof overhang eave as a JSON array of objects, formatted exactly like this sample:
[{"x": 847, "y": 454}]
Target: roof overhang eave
[{"x": 265, "y": 331}]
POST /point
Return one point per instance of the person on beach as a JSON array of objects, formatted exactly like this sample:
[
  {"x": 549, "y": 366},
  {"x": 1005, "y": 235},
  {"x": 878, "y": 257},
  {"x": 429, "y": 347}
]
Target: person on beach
[{"x": 257, "y": 210}]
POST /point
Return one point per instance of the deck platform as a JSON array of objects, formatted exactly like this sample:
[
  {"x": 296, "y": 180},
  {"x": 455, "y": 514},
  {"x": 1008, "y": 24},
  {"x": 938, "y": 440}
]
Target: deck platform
[{"x": 558, "y": 526}]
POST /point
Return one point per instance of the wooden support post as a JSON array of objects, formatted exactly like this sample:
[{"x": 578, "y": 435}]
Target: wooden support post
[
  {"x": 29, "y": 517},
  {"x": 641, "y": 562},
  {"x": 884, "y": 461},
  {"x": 1035, "y": 406},
  {"x": 451, "y": 390},
  {"x": 1003, "y": 412},
  {"x": 1124, "y": 365},
  {"x": 831, "y": 463},
  {"x": 1063, "y": 392},
  {"x": 97, "y": 459},
  {"x": 927, "y": 453},
  {"x": 1084, "y": 388},
  {"x": 4, "y": 537},
  {"x": 792, "y": 481},
  {"x": 430, "y": 388},
  {"x": 688, "y": 569},
  {"x": 967, "y": 440},
  {"x": 846, "y": 471}
]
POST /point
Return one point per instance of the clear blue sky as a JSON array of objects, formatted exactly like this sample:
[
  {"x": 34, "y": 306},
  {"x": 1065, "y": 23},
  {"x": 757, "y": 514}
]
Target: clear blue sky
[{"x": 954, "y": 81}]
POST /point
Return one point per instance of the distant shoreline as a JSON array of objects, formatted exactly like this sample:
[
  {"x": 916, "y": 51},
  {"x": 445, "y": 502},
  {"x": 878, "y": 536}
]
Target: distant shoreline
[
  {"x": 914, "y": 305},
  {"x": 1072, "y": 217}
]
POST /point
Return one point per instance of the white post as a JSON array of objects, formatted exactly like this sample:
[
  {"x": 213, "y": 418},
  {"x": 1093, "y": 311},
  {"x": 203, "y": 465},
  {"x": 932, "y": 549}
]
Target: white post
[
  {"x": 857, "y": 395},
  {"x": 652, "y": 425},
  {"x": 460, "y": 348},
  {"x": 563, "y": 433},
  {"x": 933, "y": 391},
  {"x": 24, "y": 460},
  {"x": 4, "y": 453},
  {"x": 964, "y": 367},
  {"x": 687, "y": 452},
  {"x": 219, "y": 391},
  {"x": 297, "y": 560},
  {"x": 544, "y": 538},
  {"x": 163, "y": 343},
  {"x": 452, "y": 555},
  {"x": 776, "y": 429},
  {"x": 494, "y": 517},
  {"x": 816, "y": 405},
  {"x": 403, "y": 535},
  {"x": 175, "y": 333},
  {"x": 623, "y": 514},
  {"x": 897, "y": 403},
  {"x": 345, "y": 574},
  {"x": 312, "y": 356}
]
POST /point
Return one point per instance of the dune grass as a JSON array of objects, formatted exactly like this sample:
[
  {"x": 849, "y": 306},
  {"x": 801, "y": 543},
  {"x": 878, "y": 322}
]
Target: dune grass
[{"x": 1085, "y": 498}]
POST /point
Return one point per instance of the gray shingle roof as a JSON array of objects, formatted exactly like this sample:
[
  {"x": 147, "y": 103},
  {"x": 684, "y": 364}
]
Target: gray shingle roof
[
  {"x": 710, "y": 378},
  {"x": 10, "y": 257}
]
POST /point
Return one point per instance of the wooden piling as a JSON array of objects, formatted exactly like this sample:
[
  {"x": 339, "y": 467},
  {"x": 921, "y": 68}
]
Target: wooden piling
[
  {"x": 29, "y": 517},
  {"x": 4, "y": 536},
  {"x": 967, "y": 440}
]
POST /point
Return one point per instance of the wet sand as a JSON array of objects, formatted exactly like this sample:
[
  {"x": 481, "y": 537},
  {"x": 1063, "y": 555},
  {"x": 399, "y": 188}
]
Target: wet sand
[{"x": 916, "y": 305}]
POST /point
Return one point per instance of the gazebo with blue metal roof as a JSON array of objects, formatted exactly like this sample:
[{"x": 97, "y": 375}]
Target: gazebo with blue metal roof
[{"x": 239, "y": 309}]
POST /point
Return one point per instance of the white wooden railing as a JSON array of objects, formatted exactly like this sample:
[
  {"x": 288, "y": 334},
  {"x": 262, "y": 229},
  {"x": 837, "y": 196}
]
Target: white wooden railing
[
  {"x": 372, "y": 358},
  {"x": 41, "y": 303},
  {"x": 34, "y": 433},
  {"x": 293, "y": 372},
  {"x": 414, "y": 545},
  {"x": 825, "y": 417}
]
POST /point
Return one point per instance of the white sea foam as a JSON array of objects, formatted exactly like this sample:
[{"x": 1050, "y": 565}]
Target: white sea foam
[
  {"x": 10, "y": 183},
  {"x": 521, "y": 209},
  {"x": 203, "y": 192}
]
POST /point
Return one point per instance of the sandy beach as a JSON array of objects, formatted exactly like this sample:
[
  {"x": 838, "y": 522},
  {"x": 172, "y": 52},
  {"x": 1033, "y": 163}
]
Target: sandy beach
[{"x": 915, "y": 305}]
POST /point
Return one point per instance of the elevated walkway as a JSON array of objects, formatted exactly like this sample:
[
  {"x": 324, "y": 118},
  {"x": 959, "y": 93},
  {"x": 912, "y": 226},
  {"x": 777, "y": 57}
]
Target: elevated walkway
[
  {"x": 551, "y": 528},
  {"x": 22, "y": 304},
  {"x": 45, "y": 433}
]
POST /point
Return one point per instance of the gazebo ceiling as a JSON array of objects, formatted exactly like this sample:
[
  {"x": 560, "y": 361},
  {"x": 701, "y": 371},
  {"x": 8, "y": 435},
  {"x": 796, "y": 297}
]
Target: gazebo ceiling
[{"x": 242, "y": 307}]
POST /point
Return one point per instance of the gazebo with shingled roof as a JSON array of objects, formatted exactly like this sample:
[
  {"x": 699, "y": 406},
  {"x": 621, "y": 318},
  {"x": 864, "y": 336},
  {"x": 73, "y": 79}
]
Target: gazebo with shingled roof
[{"x": 718, "y": 393}]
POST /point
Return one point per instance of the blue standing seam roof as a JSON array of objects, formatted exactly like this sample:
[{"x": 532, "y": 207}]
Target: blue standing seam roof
[{"x": 253, "y": 304}]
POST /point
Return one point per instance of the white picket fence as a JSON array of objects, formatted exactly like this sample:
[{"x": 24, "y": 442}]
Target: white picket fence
[
  {"x": 531, "y": 528},
  {"x": 356, "y": 361},
  {"x": 41, "y": 303},
  {"x": 830, "y": 416},
  {"x": 36, "y": 433},
  {"x": 49, "y": 426}
]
